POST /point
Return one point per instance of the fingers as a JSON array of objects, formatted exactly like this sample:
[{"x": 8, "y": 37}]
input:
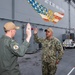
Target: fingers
[
  {"x": 35, "y": 30},
  {"x": 28, "y": 28},
  {"x": 28, "y": 32}
]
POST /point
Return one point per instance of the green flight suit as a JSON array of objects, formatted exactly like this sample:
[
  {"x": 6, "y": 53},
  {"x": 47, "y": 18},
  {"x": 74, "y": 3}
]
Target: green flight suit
[
  {"x": 52, "y": 51},
  {"x": 9, "y": 53}
]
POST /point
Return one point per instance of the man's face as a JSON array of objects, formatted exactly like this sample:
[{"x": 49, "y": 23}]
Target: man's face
[
  {"x": 48, "y": 34},
  {"x": 13, "y": 32}
]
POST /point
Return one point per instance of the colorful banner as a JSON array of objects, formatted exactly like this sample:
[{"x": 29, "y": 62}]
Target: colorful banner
[{"x": 47, "y": 15}]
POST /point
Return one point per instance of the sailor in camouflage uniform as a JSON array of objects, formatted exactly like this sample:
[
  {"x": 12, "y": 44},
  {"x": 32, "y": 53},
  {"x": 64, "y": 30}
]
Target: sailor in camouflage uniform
[
  {"x": 52, "y": 51},
  {"x": 10, "y": 50}
]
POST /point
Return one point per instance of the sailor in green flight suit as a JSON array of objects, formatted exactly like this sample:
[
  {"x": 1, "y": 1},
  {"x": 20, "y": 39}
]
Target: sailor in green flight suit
[{"x": 10, "y": 50}]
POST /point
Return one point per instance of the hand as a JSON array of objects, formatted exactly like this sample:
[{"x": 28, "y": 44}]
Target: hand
[
  {"x": 28, "y": 32},
  {"x": 35, "y": 30},
  {"x": 57, "y": 61}
]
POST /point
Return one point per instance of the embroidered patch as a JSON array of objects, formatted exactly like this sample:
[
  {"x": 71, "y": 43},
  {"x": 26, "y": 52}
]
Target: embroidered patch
[
  {"x": 15, "y": 47},
  {"x": 12, "y": 40}
]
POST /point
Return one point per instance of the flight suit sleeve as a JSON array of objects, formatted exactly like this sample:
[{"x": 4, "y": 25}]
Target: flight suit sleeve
[
  {"x": 59, "y": 48},
  {"x": 16, "y": 49},
  {"x": 37, "y": 39}
]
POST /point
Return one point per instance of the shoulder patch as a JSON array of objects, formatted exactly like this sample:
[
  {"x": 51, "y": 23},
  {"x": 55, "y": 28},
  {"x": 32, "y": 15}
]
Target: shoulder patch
[
  {"x": 12, "y": 40},
  {"x": 15, "y": 47}
]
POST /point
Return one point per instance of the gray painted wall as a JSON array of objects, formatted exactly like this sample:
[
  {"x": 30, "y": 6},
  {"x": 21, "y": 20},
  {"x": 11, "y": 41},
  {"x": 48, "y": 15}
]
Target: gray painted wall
[{"x": 24, "y": 12}]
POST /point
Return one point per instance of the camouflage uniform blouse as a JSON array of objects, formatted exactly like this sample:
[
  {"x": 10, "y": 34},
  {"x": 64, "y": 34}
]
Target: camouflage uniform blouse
[{"x": 52, "y": 48}]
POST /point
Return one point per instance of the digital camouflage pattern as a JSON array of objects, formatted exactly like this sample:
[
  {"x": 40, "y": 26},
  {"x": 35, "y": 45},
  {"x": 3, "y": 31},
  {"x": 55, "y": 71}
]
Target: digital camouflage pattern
[
  {"x": 52, "y": 52},
  {"x": 48, "y": 69}
]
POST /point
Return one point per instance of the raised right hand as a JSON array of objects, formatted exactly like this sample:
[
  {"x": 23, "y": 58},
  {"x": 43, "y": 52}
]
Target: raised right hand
[
  {"x": 35, "y": 30},
  {"x": 28, "y": 32}
]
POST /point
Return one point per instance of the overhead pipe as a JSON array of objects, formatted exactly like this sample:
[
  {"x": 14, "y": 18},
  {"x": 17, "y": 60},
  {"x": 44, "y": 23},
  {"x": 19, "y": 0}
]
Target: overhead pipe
[
  {"x": 13, "y": 10},
  {"x": 36, "y": 24}
]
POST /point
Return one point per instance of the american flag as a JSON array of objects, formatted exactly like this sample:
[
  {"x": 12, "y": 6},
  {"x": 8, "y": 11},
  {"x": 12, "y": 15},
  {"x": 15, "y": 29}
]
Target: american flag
[
  {"x": 38, "y": 7},
  {"x": 57, "y": 17},
  {"x": 42, "y": 11}
]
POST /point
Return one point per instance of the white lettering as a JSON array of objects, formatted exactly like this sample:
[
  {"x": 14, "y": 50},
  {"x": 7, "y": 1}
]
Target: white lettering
[
  {"x": 50, "y": 3},
  {"x": 46, "y": 1},
  {"x": 57, "y": 7},
  {"x": 62, "y": 9},
  {"x": 54, "y": 5}
]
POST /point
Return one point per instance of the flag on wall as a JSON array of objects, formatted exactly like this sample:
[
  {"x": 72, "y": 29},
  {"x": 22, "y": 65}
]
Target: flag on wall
[
  {"x": 57, "y": 17},
  {"x": 47, "y": 15}
]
